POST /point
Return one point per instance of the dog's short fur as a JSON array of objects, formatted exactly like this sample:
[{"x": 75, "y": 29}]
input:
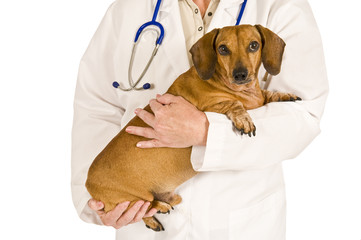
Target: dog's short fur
[{"x": 223, "y": 80}]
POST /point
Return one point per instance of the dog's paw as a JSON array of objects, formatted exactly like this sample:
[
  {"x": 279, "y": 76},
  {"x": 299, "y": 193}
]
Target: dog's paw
[
  {"x": 162, "y": 207},
  {"x": 244, "y": 125},
  {"x": 153, "y": 223},
  {"x": 288, "y": 97}
]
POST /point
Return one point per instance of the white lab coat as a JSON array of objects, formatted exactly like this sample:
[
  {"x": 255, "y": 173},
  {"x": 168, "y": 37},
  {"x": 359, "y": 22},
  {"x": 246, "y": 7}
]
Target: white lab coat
[{"x": 240, "y": 192}]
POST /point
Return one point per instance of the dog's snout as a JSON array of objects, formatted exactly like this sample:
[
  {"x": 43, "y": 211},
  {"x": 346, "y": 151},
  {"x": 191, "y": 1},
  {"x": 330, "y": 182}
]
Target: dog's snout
[{"x": 240, "y": 75}]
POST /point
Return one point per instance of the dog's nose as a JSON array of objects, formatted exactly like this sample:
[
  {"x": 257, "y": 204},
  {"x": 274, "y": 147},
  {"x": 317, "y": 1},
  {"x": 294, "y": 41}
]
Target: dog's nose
[{"x": 240, "y": 75}]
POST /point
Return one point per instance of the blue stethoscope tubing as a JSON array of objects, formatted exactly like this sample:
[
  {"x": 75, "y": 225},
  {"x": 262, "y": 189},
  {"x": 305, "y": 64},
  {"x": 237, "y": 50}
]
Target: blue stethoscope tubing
[
  {"x": 240, "y": 15},
  {"x": 160, "y": 36}
]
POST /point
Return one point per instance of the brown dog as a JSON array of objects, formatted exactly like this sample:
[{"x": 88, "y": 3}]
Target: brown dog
[{"x": 223, "y": 80}]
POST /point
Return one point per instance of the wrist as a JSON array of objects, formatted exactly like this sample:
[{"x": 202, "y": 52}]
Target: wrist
[{"x": 203, "y": 134}]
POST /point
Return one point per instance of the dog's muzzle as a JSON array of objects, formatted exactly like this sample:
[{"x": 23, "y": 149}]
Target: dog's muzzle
[{"x": 240, "y": 76}]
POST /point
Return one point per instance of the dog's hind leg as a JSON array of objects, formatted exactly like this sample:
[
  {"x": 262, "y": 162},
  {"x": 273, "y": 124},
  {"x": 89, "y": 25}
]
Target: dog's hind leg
[
  {"x": 162, "y": 207},
  {"x": 163, "y": 202},
  {"x": 169, "y": 198},
  {"x": 153, "y": 223}
]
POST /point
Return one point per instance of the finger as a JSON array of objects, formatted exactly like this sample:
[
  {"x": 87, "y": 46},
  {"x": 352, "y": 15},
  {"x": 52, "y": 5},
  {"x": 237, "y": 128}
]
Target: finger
[
  {"x": 146, "y": 116},
  {"x": 140, "y": 214},
  {"x": 96, "y": 206},
  {"x": 167, "y": 98},
  {"x": 150, "y": 144},
  {"x": 112, "y": 216},
  {"x": 140, "y": 131},
  {"x": 155, "y": 105},
  {"x": 129, "y": 215},
  {"x": 150, "y": 213}
]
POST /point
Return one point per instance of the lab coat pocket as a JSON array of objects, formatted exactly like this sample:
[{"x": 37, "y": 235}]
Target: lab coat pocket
[{"x": 263, "y": 221}]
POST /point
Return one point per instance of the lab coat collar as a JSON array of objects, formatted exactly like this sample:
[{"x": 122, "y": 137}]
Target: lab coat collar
[
  {"x": 173, "y": 46},
  {"x": 226, "y": 14},
  {"x": 232, "y": 7},
  {"x": 231, "y": 2},
  {"x": 165, "y": 8}
]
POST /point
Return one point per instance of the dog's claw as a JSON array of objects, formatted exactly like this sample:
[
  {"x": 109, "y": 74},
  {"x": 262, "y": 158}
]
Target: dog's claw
[
  {"x": 153, "y": 223},
  {"x": 164, "y": 212},
  {"x": 242, "y": 131},
  {"x": 299, "y": 99}
]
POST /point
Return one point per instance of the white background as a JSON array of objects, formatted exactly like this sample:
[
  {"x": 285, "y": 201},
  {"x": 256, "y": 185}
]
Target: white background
[{"x": 41, "y": 43}]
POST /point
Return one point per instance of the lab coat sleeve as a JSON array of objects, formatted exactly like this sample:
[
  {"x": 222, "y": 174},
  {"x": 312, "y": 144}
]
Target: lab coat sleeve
[
  {"x": 97, "y": 111},
  {"x": 284, "y": 129}
]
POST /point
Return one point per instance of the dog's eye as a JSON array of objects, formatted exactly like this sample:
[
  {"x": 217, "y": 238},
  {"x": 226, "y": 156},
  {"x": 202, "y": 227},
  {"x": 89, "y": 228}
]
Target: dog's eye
[
  {"x": 223, "y": 50},
  {"x": 253, "y": 46}
]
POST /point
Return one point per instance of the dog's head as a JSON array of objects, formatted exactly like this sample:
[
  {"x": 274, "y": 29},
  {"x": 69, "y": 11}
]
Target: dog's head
[{"x": 235, "y": 54}]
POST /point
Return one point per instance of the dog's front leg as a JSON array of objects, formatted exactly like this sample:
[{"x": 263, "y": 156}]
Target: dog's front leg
[
  {"x": 235, "y": 111},
  {"x": 278, "y": 97}
]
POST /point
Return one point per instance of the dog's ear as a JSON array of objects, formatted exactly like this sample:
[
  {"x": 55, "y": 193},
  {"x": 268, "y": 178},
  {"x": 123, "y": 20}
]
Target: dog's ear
[
  {"x": 272, "y": 50},
  {"x": 204, "y": 55}
]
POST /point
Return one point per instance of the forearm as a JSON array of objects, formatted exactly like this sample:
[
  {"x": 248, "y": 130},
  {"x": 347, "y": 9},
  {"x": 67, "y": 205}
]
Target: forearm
[{"x": 283, "y": 131}]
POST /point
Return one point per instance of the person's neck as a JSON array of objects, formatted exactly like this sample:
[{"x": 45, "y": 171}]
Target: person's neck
[{"x": 202, "y": 5}]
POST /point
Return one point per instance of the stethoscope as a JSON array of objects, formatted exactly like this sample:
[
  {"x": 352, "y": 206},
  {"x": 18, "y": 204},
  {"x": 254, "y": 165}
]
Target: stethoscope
[{"x": 160, "y": 36}]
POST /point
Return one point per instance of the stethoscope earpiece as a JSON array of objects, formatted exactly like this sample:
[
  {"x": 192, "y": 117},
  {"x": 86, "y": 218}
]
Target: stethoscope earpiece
[
  {"x": 146, "y": 86},
  {"x": 115, "y": 84}
]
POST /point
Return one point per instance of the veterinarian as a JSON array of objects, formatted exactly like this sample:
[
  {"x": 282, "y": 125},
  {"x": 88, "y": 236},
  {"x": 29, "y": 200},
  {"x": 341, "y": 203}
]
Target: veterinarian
[{"x": 240, "y": 192}]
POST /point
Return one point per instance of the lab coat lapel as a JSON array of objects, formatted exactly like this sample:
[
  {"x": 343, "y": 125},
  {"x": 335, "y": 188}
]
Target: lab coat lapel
[
  {"x": 173, "y": 45},
  {"x": 226, "y": 14}
]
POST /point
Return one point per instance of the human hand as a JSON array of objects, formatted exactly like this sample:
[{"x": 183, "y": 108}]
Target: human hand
[
  {"x": 176, "y": 123},
  {"x": 119, "y": 217}
]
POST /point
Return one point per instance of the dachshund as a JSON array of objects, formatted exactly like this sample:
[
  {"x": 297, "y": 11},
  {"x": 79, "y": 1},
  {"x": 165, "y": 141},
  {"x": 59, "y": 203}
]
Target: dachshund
[{"x": 223, "y": 80}]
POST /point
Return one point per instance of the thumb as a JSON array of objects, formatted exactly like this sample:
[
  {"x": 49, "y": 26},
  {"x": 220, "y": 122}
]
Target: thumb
[
  {"x": 166, "y": 99},
  {"x": 95, "y": 205}
]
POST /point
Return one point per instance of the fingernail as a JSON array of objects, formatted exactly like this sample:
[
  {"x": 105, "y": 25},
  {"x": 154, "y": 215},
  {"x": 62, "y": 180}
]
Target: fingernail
[
  {"x": 139, "y": 144},
  {"x": 128, "y": 129},
  {"x": 136, "y": 111},
  {"x": 140, "y": 203},
  {"x": 158, "y": 95}
]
